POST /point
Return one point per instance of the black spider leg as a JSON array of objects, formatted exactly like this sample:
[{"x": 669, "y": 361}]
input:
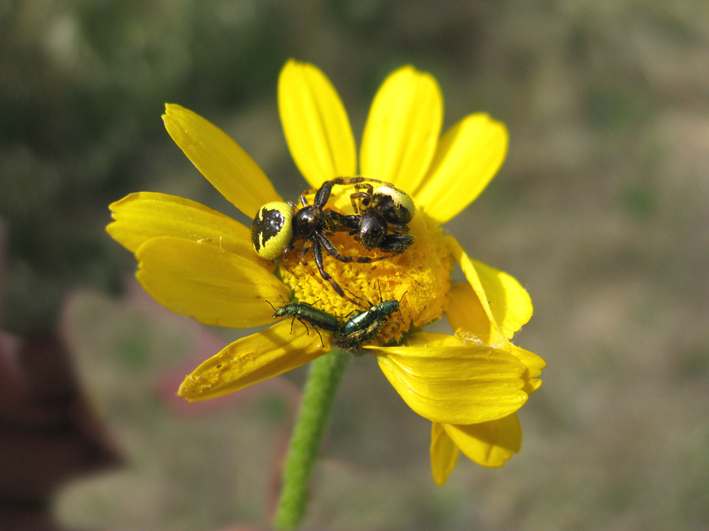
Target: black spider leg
[
  {"x": 320, "y": 241},
  {"x": 323, "y": 194},
  {"x": 327, "y": 186},
  {"x": 317, "y": 254},
  {"x": 303, "y": 252},
  {"x": 332, "y": 251}
]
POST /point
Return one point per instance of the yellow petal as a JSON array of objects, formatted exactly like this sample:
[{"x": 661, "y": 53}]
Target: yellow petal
[
  {"x": 402, "y": 129},
  {"x": 509, "y": 301},
  {"x": 465, "y": 312},
  {"x": 504, "y": 300},
  {"x": 444, "y": 454},
  {"x": 144, "y": 215},
  {"x": 253, "y": 359},
  {"x": 429, "y": 339},
  {"x": 534, "y": 363},
  {"x": 221, "y": 160},
  {"x": 489, "y": 443},
  {"x": 468, "y": 156},
  {"x": 466, "y": 315},
  {"x": 455, "y": 384},
  {"x": 208, "y": 283},
  {"x": 315, "y": 124}
]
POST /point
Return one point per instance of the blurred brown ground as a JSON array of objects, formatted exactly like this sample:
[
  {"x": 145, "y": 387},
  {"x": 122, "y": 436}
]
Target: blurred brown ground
[{"x": 601, "y": 211}]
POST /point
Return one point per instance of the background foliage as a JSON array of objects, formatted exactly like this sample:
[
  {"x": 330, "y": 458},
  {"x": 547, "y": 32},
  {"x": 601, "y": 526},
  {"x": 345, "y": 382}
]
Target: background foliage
[{"x": 600, "y": 211}]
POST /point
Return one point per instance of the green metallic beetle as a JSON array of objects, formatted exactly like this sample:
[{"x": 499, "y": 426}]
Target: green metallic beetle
[
  {"x": 365, "y": 326},
  {"x": 307, "y": 313}
]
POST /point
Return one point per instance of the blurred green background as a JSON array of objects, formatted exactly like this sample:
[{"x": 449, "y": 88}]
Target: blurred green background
[{"x": 601, "y": 211}]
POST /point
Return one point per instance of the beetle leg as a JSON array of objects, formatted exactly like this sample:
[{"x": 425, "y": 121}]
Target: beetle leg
[{"x": 305, "y": 324}]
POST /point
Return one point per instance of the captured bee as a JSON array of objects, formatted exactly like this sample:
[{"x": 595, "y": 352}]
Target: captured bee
[
  {"x": 366, "y": 325},
  {"x": 306, "y": 313},
  {"x": 378, "y": 208},
  {"x": 375, "y": 210},
  {"x": 278, "y": 225}
]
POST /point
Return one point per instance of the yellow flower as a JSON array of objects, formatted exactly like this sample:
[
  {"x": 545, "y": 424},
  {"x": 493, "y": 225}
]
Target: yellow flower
[
  {"x": 489, "y": 443},
  {"x": 201, "y": 263}
]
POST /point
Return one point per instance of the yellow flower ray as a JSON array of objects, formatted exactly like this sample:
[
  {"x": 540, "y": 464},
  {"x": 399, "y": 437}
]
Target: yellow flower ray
[
  {"x": 444, "y": 453},
  {"x": 253, "y": 359},
  {"x": 144, "y": 215},
  {"x": 315, "y": 124},
  {"x": 466, "y": 315},
  {"x": 505, "y": 301},
  {"x": 465, "y": 312},
  {"x": 402, "y": 129},
  {"x": 221, "y": 160},
  {"x": 488, "y": 443},
  {"x": 468, "y": 156},
  {"x": 455, "y": 384},
  {"x": 207, "y": 283}
]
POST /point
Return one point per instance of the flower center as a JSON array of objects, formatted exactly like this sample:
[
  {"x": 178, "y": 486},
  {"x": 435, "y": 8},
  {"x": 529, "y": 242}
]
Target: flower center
[{"x": 418, "y": 278}]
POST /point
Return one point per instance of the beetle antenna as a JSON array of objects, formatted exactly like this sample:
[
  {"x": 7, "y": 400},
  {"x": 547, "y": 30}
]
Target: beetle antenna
[{"x": 360, "y": 298}]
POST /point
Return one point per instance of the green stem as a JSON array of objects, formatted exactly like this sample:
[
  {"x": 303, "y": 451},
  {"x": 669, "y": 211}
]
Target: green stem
[{"x": 318, "y": 395}]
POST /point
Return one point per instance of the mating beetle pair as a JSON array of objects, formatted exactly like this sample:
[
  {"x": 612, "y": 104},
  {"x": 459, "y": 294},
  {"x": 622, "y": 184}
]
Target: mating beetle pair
[
  {"x": 381, "y": 216},
  {"x": 364, "y": 326}
]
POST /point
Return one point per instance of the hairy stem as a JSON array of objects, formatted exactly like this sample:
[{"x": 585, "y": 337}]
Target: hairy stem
[{"x": 318, "y": 395}]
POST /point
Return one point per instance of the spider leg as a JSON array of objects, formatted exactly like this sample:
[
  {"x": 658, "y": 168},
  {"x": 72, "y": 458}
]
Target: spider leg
[
  {"x": 317, "y": 254},
  {"x": 323, "y": 193},
  {"x": 357, "y": 180},
  {"x": 332, "y": 251},
  {"x": 303, "y": 252},
  {"x": 332, "y": 221}
]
